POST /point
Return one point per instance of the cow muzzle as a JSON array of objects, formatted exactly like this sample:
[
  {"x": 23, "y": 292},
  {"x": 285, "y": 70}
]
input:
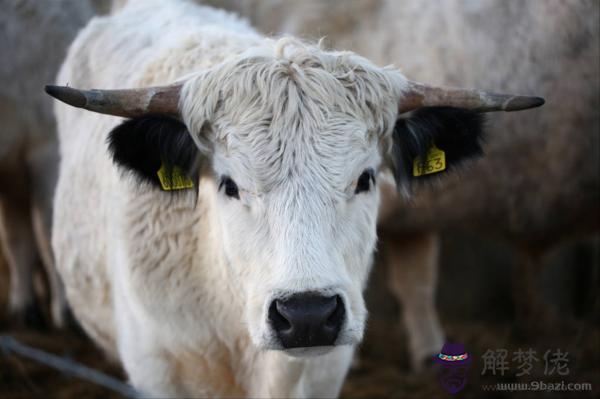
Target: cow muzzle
[{"x": 307, "y": 319}]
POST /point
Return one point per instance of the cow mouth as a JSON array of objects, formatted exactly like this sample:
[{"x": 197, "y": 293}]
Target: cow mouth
[{"x": 311, "y": 351}]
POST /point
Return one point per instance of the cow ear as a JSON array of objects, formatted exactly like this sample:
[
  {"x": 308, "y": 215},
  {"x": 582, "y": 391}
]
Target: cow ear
[
  {"x": 147, "y": 144},
  {"x": 454, "y": 134}
]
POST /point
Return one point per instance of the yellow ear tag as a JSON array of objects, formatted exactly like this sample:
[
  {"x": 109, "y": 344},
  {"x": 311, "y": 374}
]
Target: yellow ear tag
[
  {"x": 435, "y": 162},
  {"x": 179, "y": 181}
]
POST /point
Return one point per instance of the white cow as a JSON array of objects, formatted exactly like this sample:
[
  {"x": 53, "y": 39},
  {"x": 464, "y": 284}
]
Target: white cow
[
  {"x": 509, "y": 45},
  {"x": 218, "y": 241}
]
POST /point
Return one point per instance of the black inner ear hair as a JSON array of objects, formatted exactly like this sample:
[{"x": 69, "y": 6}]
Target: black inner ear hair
[
  {"x": 456, "y": 131},
  {"x": 142, "y": 145}
]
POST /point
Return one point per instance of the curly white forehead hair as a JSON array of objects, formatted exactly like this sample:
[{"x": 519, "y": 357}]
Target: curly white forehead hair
[{"x": 289, "y": 81}]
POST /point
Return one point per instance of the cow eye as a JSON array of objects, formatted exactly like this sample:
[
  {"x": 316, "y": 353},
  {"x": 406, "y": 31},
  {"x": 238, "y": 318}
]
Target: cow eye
[
  {"x": 364, "y": 181},
  {"x": 230, "y": 188}
]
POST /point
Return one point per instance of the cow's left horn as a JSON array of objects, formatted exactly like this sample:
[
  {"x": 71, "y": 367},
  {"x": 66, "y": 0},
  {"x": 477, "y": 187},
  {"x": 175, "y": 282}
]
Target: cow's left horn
[
  {"x": 127, "y": 103},
  {"x": 420, "y": 95}
]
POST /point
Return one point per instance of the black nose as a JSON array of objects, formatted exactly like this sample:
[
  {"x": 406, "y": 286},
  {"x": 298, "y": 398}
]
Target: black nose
[{"x": 307, "y": 319}]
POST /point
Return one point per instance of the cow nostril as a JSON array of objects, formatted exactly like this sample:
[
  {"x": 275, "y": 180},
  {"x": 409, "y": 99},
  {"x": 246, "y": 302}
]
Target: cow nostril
[
  {"x": 278, "y": 322},
  {"x": 336, "y": 319},
  {"x": 307, "y": 319}
]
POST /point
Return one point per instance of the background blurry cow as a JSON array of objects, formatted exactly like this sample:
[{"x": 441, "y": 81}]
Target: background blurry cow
[
  {"x": 34, "y": 36},
  {"x": 539, "y": 184}
]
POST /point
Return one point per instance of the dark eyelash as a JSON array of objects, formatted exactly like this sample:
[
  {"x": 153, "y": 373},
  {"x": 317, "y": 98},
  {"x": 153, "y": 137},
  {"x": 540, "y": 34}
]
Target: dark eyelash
[
  {"x": 364, "y": 181},
  {"x": 231, "y": 189}
]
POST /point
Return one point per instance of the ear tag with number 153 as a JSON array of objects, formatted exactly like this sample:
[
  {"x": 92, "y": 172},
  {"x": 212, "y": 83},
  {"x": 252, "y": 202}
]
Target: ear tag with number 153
[{"x": 434, "y": 163}]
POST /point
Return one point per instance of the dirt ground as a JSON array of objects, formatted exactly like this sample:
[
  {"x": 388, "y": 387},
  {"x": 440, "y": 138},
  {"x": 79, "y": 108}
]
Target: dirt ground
[{"x": 381, "y": 369}]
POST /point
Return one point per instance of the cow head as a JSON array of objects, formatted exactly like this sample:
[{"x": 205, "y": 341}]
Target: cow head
[{"x": 294, "y": 139}]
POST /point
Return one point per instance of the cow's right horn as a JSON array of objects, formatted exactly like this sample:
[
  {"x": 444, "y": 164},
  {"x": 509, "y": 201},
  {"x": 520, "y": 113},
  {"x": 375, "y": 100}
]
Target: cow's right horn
[{"x": 127, "y": 103}]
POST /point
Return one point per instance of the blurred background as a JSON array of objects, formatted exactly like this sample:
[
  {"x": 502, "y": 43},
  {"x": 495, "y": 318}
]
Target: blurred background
[{"x": 511, "y": 242}]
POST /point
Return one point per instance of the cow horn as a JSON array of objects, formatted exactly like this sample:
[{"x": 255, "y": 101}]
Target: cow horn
[
  {"x": 127, "y": 103},
  {"x": 420, "y": 95}
]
